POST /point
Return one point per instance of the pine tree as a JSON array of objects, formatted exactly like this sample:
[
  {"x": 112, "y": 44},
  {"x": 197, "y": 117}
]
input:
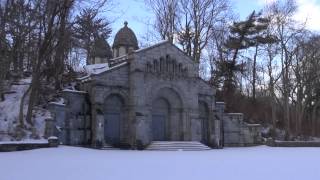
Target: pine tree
[{"x": 244, "y": 35}]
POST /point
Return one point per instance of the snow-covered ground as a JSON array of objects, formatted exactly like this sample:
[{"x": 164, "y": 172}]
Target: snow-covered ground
[
  {"x": 9, "y": 112},
  {"x": 74, "y": 163}
]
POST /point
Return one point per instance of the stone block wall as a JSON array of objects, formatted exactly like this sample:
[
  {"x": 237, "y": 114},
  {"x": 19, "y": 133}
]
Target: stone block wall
[
  {"x": 55, "y": 126},
  {"x": 71, "y": 123},
  {"x": 238, "y": 133},
  {"x": 112, "y": 82},
  {"x": 152, "y": 73}
]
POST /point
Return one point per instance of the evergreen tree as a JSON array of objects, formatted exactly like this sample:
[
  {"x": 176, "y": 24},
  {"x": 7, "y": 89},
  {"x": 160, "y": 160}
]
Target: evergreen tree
[{"x": 243, "y": 35}]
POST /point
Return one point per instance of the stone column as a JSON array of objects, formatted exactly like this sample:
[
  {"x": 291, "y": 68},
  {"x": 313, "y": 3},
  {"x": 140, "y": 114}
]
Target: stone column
[
  {"x": 50, "y": 126},
  {"x": 97, "y": 124}
]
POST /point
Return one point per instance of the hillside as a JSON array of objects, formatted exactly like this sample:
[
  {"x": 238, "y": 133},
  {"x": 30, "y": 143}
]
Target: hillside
[{"x": 9, "y": 115}]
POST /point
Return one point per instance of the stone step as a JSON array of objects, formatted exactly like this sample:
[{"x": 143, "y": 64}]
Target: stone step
[
  {"x": 108, "y": 147},
  {"x": 177, "y": 146},
  {"x": 178, "y": 142}
]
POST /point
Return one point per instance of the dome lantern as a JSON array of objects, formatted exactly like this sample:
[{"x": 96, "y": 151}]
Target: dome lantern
[{"x": 124, "y": 41}]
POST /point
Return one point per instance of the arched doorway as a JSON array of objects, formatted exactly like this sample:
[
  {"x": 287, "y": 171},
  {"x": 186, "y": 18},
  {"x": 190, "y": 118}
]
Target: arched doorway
[
  {"x": 112, "y": 120},
  {"x": 160, "y": 119},
  {"x": 204, "y": 118},
  {"x": 167, "y": 108}
]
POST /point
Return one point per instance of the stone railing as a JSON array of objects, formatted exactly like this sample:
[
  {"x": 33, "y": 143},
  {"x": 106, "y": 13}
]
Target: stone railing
[
  {"x": 118, "y": 60},
  {"x": 275, "y": 143}
]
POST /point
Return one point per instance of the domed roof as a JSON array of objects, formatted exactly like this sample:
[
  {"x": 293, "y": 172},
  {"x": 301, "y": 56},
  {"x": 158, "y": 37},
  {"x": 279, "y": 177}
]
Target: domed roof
[
  {"x": 125, "y": 37},
  {"x": 101, "y": 48}
]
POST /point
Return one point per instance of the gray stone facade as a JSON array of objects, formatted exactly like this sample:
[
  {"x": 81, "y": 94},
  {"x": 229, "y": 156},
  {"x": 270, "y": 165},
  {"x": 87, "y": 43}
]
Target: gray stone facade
[
  {"x": 145, "y": 95},
  {"x": 151, "y": 94},
  {"x": 144, "y": 78}
]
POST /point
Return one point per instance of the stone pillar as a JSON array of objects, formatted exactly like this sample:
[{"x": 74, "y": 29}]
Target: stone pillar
[
  {"x": 142, "y": 130},
  {"x": 53, "y": 141},
  {"x": 97, "y": 125},
  {"x": 184, "y": 128},
  {"x": 219, "y": 112},
  {"x": 139, "y": 117},
  {"x": 99, "y": 128},
  {"x": 220, "y": 109},
  {"x": 58, "y": 112},
  {"x": 50, "y": 127},
  {"x": 75, "y": 113},
  {"x": 217, "y": 133}
]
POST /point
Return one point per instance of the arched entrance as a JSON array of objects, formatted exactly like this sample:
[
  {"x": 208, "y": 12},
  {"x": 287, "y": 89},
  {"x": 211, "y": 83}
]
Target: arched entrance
[
  {"x": 204, "y": 118},
  {"x": 114, "y": 107},
  {"x": 160, "y": 118},
  {"x": 167, "y": 122}
]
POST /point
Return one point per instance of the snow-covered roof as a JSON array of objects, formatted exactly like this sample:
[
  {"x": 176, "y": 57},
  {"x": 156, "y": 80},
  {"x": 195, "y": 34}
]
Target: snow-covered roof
[
  {"x": 152, "y": 46},
  {"x": 96, "y": 68}
]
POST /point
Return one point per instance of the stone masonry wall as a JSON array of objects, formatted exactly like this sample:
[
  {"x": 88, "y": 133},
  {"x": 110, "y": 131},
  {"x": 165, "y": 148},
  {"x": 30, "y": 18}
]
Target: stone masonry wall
[
  {"x": 112, "y": 82},
  {"x": 71, "y": 121},
  {"x": 162, "y": 68},
  {"x": 239, "y": 133}
]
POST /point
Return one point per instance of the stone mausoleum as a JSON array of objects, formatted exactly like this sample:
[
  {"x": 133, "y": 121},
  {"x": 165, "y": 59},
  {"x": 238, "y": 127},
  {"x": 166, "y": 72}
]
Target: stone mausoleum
[{"x": 139, "y": 96}]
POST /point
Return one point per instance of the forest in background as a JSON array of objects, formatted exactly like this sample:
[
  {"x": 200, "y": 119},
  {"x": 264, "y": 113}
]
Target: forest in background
[{"x": 265, "y": 66}]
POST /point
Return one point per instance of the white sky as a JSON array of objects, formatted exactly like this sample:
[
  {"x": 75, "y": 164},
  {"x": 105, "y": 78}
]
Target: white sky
[{"x": 308, "y": 11}]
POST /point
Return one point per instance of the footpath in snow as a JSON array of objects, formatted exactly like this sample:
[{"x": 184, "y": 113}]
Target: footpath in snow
[{"x": 74, "y": 163}]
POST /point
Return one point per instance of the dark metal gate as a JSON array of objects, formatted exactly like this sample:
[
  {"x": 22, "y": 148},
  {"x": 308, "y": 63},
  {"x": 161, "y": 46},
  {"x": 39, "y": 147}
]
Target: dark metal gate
[
  {"x": 158, "y": 127},
  {"x": 112, "y": 128}
]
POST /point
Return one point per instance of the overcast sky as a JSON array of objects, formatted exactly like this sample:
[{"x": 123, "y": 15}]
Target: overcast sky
[{"x": 138, "y": 15}]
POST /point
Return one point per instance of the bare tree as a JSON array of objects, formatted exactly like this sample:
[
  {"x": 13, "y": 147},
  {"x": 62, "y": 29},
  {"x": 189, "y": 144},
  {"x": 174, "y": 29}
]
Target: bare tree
[
  {"x": 286, "y": 29},
  {"x": 193, "y": 21},
  {"x": 200, "y": 20},
  {"x": 61, "y": 51},
  {"x": 167, "y": 17}
]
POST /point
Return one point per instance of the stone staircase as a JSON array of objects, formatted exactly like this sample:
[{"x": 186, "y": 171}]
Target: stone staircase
[{"x": 177, "y": 146}]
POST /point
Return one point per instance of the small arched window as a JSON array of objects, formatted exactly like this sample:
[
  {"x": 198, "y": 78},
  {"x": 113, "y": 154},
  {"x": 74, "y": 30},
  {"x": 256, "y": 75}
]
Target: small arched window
[
  {"x": 174, "y": 64},
  {"x": 167, "y": 65},
  {"x": 162, "y": 66},
  {"x": 180, "y": 69},
  {"x": 185, "y": 72},
  {"x": 155, "y": 66},
  {"x": 148, "y": 67}
]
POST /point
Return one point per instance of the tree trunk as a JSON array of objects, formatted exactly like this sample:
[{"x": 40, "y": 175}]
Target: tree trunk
[
  {"x": 21, "y": 122},
  {"x": 43, "y": 52},
  {"x": 61, "y": 49},
  {"x": 254, "y": 74},
  {"x": 33, "y": 96},
  {"x": 314, "y": 118}
]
